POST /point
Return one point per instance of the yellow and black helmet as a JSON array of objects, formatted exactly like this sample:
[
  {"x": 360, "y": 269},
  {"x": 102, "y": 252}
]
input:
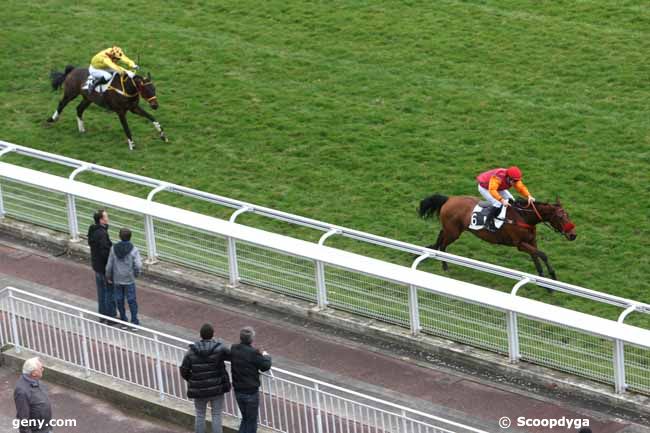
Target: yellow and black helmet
[{"x": 117, "y": 52}]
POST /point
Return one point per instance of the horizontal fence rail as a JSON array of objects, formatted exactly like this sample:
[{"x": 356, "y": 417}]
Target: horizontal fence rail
[
  {"x": 289, "y": 402},
  {"x": 329, "y": 229},
  {"x": 607, "y": 351}
]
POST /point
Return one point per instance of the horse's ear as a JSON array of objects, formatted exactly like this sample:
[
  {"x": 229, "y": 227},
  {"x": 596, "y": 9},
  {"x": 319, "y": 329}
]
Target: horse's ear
[
  {"x": 557, "y": 200},
  {"x": 149, "y": 76}
]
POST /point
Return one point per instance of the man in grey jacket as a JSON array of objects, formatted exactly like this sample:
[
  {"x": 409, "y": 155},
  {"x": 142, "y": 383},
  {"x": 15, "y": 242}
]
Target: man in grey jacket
[
  {"x": 33, "y": 408},
  {"x": 124, "y": 265}
]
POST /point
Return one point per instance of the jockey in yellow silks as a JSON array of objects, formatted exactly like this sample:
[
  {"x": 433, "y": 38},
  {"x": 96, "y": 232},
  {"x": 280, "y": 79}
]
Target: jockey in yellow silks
[{"x": 104, "y": 63}]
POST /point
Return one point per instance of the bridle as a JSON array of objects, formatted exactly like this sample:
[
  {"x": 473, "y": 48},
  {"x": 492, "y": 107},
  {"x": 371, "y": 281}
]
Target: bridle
[
  {"x": 567, "y": 227},
  {"x": 138, "y": 86},
  {"x": 141, "y": 87}
]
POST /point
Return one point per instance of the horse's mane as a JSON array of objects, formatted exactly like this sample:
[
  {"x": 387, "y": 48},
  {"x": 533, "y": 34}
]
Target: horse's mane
[{"x": 522, "y": 202}]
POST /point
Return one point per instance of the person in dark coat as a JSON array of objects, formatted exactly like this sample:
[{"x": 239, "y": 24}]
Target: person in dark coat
[
  {"x": 33, "y": 408},
  {"x": 204, "y": 370},
  {"x": 100, "y": 248},
  {"x": 246, "y": 364}
]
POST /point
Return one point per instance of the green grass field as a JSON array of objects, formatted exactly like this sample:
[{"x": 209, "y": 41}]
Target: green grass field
[{"x": 351, "y": 112}]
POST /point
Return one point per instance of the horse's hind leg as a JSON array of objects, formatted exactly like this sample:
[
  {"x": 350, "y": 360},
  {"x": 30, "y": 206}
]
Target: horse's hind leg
[
  {"x": 127, "y": 131},
  {"x": 80, "y": 114},
  {"x": 67, "y": 97},
  {"x": 445, "y": 238}
]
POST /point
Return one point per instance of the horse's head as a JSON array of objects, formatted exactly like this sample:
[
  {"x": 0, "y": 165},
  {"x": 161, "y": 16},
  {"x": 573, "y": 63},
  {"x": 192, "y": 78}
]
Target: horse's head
[
  {"x": 560, "y": 221},
  {"x": 147, "y": 90}
]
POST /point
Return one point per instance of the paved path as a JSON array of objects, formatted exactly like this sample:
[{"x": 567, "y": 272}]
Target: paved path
[
  {"x": 298, "y": 347},
  {"x": 89, "y": 413}
]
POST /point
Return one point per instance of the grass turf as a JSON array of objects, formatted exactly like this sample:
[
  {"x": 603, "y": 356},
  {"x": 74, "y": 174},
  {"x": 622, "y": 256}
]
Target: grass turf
[{"x": 351, "y": 112}]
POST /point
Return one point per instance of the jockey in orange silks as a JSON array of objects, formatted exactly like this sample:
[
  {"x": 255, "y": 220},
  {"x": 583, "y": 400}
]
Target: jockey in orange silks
[{"x": 493, "y": 185}]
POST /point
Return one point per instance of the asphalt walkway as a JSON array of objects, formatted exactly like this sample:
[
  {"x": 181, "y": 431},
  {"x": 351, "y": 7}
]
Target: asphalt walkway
[{"x": 304, "y": 348}]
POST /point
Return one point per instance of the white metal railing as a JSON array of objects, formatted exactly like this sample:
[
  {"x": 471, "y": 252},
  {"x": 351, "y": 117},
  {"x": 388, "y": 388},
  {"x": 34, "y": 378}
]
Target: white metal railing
[
  {"x": 289, "y": 402},
  {"x": 589, "y": 346},
  {"x": 329, "y": 229}
]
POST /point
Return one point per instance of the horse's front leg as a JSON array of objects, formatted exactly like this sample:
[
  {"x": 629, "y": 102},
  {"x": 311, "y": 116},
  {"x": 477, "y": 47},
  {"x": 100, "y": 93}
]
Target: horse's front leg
[
  {"x": 127, "y": 131},
  {"x": 551, "y": 271},
  {"x": 534, "y": 254},
  {"x": 140, "y": 112}
]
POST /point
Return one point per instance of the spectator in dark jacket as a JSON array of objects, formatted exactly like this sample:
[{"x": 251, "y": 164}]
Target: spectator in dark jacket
[
  {"x": 124, "y": 265},
  {"x": 33, "y": 408},
  {"x": 204, "y": 370},
  {"x": 100, "y": 247},
  {"x": 246, "y": 364}
]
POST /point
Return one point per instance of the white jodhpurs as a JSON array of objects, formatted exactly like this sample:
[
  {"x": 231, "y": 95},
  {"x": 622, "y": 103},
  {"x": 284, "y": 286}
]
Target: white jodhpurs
[
  {"x": 99, "y": 73},
  {"x": 493, "y": 201}
]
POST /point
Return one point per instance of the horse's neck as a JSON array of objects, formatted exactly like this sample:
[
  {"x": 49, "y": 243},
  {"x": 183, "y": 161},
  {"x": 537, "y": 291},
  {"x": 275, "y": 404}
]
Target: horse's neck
[{"x": 529, "y": 216}]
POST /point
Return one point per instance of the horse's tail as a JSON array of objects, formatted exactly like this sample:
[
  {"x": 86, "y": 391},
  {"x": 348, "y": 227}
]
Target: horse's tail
[
  {"x": 432, "y": 205},
  {"x": 59, "y": 77}
]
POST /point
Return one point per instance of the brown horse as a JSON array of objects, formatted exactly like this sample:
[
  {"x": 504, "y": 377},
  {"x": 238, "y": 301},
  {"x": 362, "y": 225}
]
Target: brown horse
[
  {"x": 518, "y": 231},
  {"x": 122, "y": 95}
]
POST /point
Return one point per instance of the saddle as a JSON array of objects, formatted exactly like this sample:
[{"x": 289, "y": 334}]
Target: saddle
[
  {"x": 100, "y": 88},
  {"x": 480, "y": 215}
]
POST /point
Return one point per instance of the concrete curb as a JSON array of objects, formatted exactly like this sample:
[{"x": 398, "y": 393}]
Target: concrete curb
[
  {"x": 444, "y": 352},
  {"x": 130, "y": 398}
]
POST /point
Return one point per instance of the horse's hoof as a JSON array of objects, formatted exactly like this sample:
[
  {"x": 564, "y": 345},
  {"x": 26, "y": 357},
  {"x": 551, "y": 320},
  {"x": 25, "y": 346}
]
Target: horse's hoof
[
  {"x": 131, "y": 145},
  {"x": 50, "y": 120}
]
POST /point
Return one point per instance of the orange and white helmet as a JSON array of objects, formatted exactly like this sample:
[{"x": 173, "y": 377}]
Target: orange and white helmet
[{"x": 117, "y": 52}]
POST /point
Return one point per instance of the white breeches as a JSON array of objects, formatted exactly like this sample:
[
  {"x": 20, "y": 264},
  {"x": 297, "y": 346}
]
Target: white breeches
[
  {"x": 496, "y": 203},
  {"x": 99, "y": 73}
]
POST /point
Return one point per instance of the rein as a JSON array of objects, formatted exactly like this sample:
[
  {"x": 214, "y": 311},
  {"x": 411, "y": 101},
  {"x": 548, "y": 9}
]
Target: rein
[
  {"x": 123, "y": 90},
  {"x": 138, "y": 88}
]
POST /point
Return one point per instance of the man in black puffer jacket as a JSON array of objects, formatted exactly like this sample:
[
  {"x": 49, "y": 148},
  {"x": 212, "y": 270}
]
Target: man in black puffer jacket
[
  {"x": 246, "y": 364},
  {"x": 204, "y": 370}
]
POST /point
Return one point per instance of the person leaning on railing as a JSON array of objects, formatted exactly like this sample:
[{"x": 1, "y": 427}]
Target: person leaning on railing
[
  {"x": 246, "y": 364},
  {"x": 204, "y": 370}
]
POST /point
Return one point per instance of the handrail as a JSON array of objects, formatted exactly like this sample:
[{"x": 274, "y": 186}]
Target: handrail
[
  {"x": 350, "y": 233},
  {"x": 8, "y": 291}
]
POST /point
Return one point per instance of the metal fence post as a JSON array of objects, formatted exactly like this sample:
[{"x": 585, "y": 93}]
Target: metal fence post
[
  {"x": 161, "y": 387},
  {"x": 414, "y": 310},
  {"x": 233, "y": 268},
  {"x": 319, "y": 418},
  {"x": 84, "y": 344},
  {"x": 619, "y": 353},
  {"x": 321, "y": 288},
  {"x": 512, "y": 327},
  {"x": 149, "y": 232},
  {"x": 414, "y": 305},
  {"x": 2, "y": 204},
  {"x": 14, "y": 325},
  {"x": 513, "y": 337},
  {"x": 150, "y": 239},
  {"x": 73, "y": 225},
  {"x": 619, "y": 367}
]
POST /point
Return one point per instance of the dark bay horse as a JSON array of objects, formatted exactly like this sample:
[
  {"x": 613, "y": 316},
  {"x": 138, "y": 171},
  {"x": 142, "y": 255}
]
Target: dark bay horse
[
  {"x": 518, "y": 231},
  {"x": 122, "y": 95}
]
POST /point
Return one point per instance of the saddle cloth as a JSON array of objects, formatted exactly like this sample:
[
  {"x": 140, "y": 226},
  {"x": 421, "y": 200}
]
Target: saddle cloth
[{"x": 480, "y": 213}]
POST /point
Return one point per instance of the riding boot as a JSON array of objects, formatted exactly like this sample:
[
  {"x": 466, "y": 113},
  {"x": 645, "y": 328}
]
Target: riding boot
[
  {"x": 489, "y": 223},
  {"x": 94, "y": 83}
]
